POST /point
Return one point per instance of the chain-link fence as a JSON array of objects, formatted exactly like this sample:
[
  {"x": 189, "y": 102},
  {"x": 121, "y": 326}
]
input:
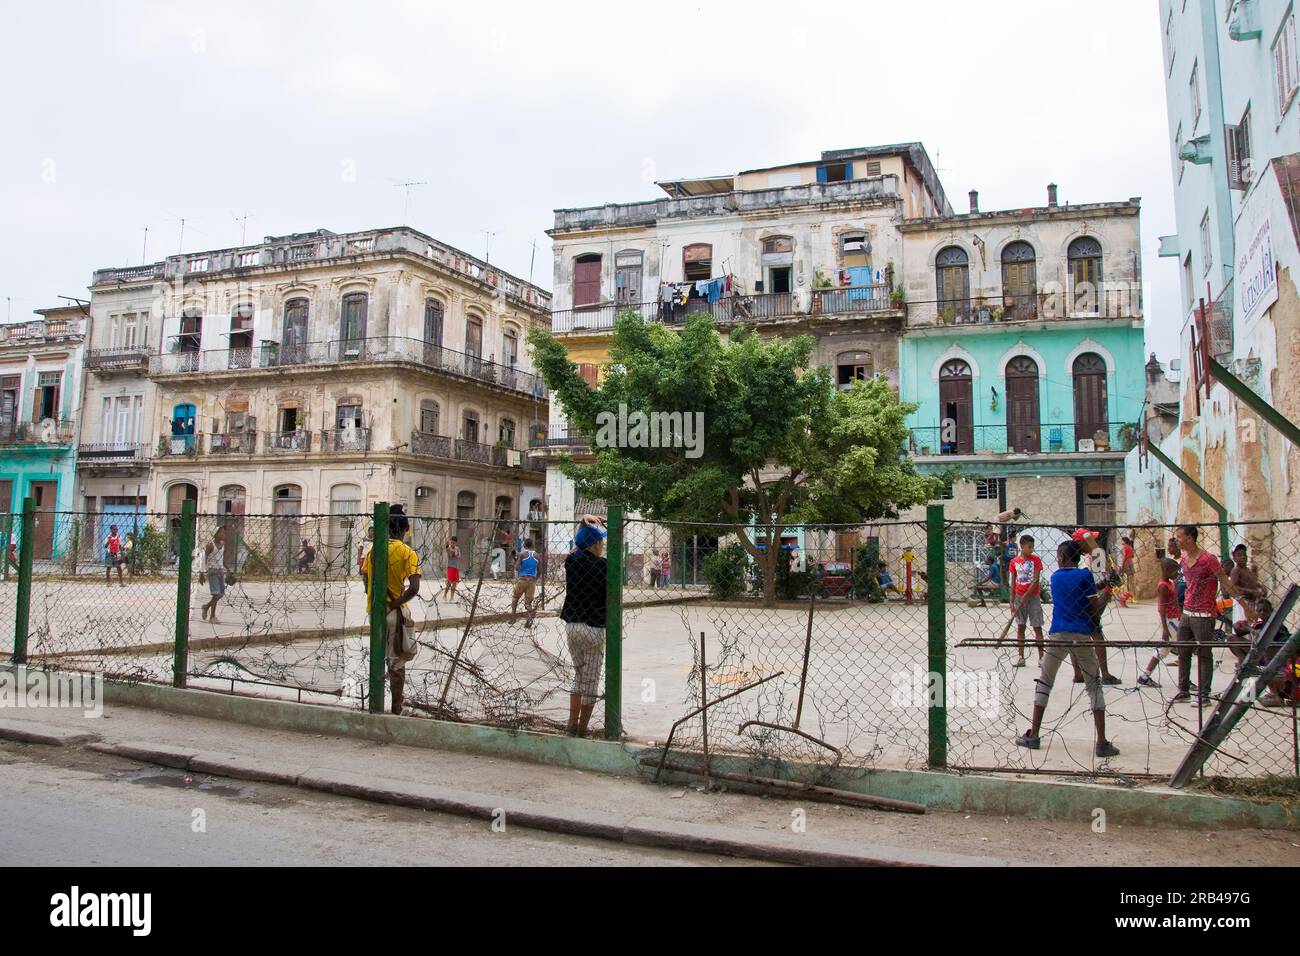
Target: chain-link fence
[
  {"x": 812, "y": 643},
  {"x": 1134, "y": 643},
  {"x": 891, "y": 644}
]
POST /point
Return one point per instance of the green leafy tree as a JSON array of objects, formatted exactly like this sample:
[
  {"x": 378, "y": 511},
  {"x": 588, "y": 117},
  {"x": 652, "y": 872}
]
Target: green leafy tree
[{"x": 781, "y": 445}]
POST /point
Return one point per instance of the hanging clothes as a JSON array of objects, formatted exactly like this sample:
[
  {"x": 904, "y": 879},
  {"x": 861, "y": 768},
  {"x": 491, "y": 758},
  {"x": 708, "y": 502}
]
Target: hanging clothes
[{"x": 715, "y": 290}]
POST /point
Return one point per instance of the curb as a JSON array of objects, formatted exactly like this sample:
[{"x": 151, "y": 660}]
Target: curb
[
  {"x": 593, "y": 824},
  {"x": 30, "y": 732}
]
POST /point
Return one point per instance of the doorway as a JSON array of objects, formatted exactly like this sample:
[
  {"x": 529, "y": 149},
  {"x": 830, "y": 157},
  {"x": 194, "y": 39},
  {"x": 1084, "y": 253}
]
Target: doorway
[{"x": 44, "y": 494}]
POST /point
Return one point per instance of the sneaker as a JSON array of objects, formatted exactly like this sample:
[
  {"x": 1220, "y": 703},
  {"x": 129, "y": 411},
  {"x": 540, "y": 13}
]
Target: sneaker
[
  {"x": 1080, "y": 680},
  {"x": 1106, "y": 749},
  {"x": 1181, "y": 696},
  {"x": 1028, "y": 741},
  {"x": 1019, "y": 663},
  {"x": 1271, "y": 699},
  {"x": 1146, "y": 681},
  {"x": 1110, "y": 680}
]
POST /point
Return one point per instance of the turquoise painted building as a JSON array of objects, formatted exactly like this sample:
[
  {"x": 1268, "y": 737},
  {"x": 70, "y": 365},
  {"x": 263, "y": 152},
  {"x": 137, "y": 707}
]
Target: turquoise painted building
[
  {"x": 1031, "y": 391},
  {"x": 40, "y": 396}
]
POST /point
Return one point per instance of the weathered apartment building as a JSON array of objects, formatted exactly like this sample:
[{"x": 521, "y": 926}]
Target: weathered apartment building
[
  {"x": 810, "y": 247},
  {"x": 314, "y": 373},
  {"x": 40, "y": 395},
  {"x": 1232, "y": 80}
]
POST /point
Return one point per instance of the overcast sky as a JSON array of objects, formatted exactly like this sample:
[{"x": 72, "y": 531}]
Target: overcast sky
[{"x": 121, "y": 115}]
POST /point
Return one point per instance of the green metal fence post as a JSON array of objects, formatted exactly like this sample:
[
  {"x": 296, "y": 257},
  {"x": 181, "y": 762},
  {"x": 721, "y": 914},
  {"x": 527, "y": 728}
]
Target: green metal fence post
[
  {"x": 378, "y": 607},
  {"x": 614, "y": 625},
  {"x": 937, "y": 612},
  {"x": 184, "y": 587},
  {"x": 23, "y": 607},
  {"x": 1225, "y": 539}
]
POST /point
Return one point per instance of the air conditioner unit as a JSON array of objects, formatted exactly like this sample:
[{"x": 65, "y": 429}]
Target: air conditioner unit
[
  {"x": 1247, "y": 170},
  {"x": 1087, "y": 444},
  {"x": 421, "y": 492}
]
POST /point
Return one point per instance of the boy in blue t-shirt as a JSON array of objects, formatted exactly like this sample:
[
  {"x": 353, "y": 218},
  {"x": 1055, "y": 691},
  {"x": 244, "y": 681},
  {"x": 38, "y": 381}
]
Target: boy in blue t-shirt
[
  {"x": 525, "y": 583},
  {"x": 1076, "y": 604}
]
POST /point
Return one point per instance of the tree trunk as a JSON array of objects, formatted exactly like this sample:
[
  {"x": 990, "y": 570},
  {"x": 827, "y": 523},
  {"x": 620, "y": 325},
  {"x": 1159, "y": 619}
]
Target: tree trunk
[{"x": 770, "y": 557}]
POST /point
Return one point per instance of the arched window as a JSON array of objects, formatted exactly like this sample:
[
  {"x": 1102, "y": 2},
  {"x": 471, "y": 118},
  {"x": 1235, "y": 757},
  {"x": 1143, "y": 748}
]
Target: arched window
[
  {"x": 586, "y": 280},
  {"x": 777, "y": 263},
  {"x": 346, "y": 529},
  {"x": 286, "y": 507},
  {"x": 190, "y": 339},
  {"x": 428, "y": 417},
  {"x": 1019, "y": 282},
  {"x": 469, "y": 428},
  {"x": 508, "y": 374},
  {"x": 293, "y": 333},
  {"x": 956, "y": 430},
  {"x": 952, "y": 283},
  {"x": 1084, "y": 257},
  {"x": 627, "y": 277},
  {"x": 1090, "y": 398},
  {"x": 352, "y": 329},
  {"x": 241, "y": 336},
  {"x": 184, "y": 425},
  {"x": 506, "y": 432},
  {"x": 466, "y": 505},
  {"x": 1023, "y": 424},
  {"x": 853, "y": 367},
  {"x": 474, "y": 336},
  {"x": 433, "y": 313}
]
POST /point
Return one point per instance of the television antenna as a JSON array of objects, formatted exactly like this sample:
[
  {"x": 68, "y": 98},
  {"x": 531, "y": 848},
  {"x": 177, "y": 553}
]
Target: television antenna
[{"x": 406, "y": 200}]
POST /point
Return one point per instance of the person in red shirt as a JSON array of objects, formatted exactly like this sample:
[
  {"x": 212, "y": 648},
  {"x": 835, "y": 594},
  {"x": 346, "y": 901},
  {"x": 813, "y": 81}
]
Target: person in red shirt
[
  {"x": 116, "y": 559},
  {"x": 1204, "y": 575},
  {"x": 1024, "y": 572},
  {"x": 1127, "y": 568},
  {"x": 1168, "y": 611}
]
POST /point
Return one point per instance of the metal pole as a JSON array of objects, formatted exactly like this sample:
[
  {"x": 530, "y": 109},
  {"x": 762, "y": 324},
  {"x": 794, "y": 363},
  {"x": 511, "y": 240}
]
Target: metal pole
[
  {"x": 377, "y": 588},
  {"x": 76, "y": 543},
  {"x": 184, "y": 584},
  {"x": 614, "y": 625},
  {"x": 704, "y": 714},
  {"x": 22, "y": 610},
  {"x": 937, "y": 611},
  {"x": 1224, "y": 540},
  {"x": 1290, "y": 431}
]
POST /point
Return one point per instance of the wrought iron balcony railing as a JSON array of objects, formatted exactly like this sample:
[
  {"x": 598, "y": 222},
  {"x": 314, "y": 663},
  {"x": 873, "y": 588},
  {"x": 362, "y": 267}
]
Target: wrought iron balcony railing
[{"x": 1020, "y": 439}]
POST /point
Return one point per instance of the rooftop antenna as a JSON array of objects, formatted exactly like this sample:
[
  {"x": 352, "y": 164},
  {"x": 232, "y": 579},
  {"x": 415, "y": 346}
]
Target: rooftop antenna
[
  {"x": 531, "y": 259},
  {"x": 487, "y": 246},
  {"x": 243, "y": 228},
  {"x": 406, "y": 201},
  {"x": 144, "y": 247}
]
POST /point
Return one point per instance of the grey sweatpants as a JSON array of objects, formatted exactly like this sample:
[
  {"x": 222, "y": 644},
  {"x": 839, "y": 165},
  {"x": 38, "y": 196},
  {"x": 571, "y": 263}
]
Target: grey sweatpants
[{"x": 1085, "y": 658}]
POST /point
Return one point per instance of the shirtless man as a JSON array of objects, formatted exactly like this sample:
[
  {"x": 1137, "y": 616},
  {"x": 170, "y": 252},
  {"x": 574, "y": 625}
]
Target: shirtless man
[{"x": 1247, "y": 582}]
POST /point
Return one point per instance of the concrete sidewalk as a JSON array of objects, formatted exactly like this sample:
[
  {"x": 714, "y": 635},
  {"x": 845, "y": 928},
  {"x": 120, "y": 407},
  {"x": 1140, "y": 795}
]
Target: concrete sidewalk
[{"x": 618, "y": 808}]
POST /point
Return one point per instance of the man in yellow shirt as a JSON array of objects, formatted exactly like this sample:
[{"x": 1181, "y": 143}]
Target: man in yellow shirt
[{"x": 402, "y": 586}]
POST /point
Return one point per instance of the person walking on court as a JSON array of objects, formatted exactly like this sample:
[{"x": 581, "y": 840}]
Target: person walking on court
[
  {"x": 116, "y": 557},
  {"x": 1203, "y": 572},
  {"x": 583, "y": 614},
  {"x": 525, "y": 583},
  {"x": 1077, "y": 602},
  {"x": 453, "y": 567},
  {"x": 1025, "y": 572},
  {"x": 214, "y": 569}
]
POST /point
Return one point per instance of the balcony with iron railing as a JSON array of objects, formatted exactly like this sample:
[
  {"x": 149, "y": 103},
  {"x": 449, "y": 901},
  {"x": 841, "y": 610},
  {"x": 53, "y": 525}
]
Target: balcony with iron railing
[
  {"x": 559, "y": 442},
  {"x": 997, "y": 308},
  {"x": 1021, "y": 439},
  {"x": 278, "y": 443},
  {"x": 732, "y": 309},
  {"x": 444, "y": 447},
  {"x": 345, "y": 439},
  {"x": 47, "y": 432},
  {"x": 134, "y": 358},
  {"x": 232, "y": 443},
  {"x": 111, "y": 453},
  {"x": 336, "y": 352}
]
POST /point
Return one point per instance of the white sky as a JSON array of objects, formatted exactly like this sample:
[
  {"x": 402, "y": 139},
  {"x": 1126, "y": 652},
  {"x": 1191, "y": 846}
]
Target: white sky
[{"x": 117, "y": 115}]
